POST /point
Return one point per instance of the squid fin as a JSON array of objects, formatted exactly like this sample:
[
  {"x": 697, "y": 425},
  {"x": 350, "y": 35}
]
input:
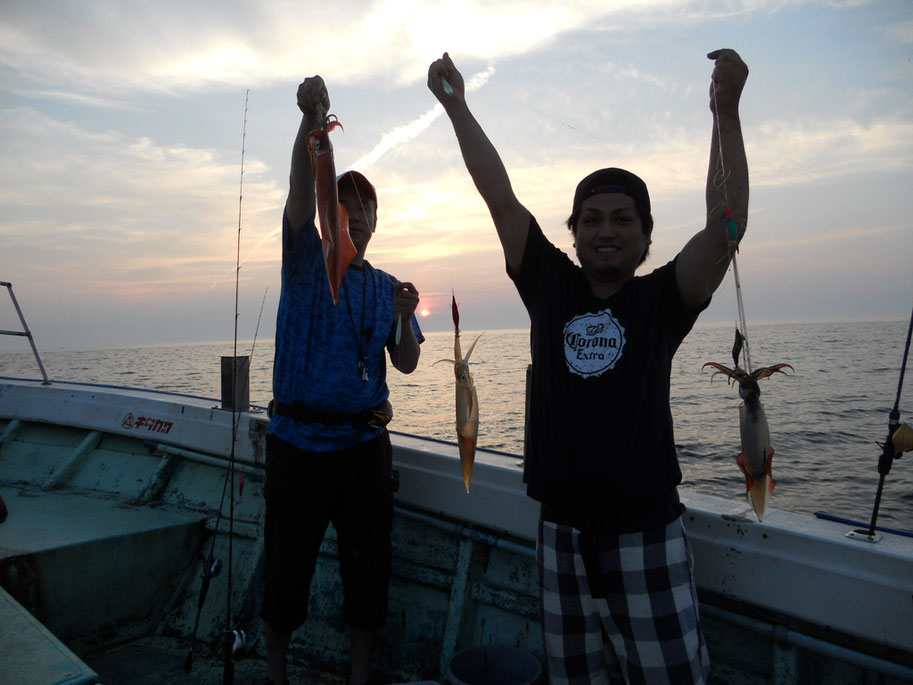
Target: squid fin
[{"x": 472, "y": 347}]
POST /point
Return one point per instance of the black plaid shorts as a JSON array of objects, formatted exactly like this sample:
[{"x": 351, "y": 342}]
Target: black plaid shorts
[{"x": 647, "y": 624}]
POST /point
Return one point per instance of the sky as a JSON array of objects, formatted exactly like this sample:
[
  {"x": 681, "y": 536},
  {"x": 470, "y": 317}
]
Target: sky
[{"x": 122, "y": 127}]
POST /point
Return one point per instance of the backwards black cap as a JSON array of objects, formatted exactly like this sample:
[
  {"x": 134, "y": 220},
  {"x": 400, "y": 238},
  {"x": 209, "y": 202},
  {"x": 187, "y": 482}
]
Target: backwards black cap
[{"x": 359, "y": 182}]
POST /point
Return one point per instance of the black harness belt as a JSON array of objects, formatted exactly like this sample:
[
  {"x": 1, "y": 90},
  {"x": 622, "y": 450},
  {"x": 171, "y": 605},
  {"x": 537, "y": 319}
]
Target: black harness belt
[{"x": 378, "y": 416}]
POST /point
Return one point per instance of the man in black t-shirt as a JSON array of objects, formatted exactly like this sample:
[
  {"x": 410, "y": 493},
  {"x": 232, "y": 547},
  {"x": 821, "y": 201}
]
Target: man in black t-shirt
[{"x": 614, "y": 563}]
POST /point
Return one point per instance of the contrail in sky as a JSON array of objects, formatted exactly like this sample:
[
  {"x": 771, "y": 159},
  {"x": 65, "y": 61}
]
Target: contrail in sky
[{"x": 406, "y": 132}]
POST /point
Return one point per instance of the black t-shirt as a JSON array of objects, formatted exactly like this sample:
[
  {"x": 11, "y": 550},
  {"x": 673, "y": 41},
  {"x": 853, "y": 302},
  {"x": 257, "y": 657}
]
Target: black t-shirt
[{"x": 600, "y": 425}]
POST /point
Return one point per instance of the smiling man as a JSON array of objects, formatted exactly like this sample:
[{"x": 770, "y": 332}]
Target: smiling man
[{"x": 615, "y": 570}]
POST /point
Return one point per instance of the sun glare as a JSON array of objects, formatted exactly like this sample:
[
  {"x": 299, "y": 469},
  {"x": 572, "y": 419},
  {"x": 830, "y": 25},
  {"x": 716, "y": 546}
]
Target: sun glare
[{"x": 425, "y": 313}]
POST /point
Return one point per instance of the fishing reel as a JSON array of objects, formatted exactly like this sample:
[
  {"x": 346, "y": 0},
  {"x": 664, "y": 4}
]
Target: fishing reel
[
  {"x": 902, "y": 439},
  {"x": 234, "y": 645},
  {"x": 213, "y": 569}
]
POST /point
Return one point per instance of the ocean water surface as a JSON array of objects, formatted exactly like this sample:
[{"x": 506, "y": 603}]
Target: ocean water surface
[{"x": 825, "y": 419}]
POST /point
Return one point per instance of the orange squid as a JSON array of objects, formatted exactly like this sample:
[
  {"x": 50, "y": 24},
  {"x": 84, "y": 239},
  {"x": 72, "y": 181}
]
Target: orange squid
[
  {"x": 467, "y": 402},
  {"x": 338, "y": 248}
]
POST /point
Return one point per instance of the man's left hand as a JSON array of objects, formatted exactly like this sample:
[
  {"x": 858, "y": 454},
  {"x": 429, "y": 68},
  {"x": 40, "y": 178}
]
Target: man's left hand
[{"x": 405, "y": 299}]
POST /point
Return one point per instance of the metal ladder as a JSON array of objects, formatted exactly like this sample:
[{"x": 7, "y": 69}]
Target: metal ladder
[{"x": 25, "y": 331}]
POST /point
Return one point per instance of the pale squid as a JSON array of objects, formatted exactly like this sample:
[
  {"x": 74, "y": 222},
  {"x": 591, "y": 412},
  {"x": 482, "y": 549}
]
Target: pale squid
[
  {"x": 756, "y": 456},
  {"x": 467, "y": 402}
]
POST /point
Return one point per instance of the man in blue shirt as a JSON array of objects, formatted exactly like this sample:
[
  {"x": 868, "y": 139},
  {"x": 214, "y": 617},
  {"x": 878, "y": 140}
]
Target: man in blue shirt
[{"x": 328, "y": 456}]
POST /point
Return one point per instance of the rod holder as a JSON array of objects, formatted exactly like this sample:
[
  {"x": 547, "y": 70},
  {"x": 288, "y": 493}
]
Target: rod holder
[{"x": 236, "y": 383}]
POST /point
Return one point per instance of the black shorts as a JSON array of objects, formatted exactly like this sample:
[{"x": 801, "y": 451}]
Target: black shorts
[{"x": 305, "y": 491}]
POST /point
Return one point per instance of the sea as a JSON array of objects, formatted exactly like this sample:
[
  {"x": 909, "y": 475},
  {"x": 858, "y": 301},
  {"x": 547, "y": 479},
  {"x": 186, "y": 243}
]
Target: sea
[{"x": 826, "y": 419}]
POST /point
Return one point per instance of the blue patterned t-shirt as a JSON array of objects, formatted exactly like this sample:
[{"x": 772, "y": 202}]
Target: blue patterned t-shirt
[{"x": 319, "y": 347}]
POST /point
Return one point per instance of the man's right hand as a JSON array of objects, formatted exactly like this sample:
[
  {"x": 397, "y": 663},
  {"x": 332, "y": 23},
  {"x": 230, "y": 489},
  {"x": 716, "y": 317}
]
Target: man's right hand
[{"x": 313, "y": 93}]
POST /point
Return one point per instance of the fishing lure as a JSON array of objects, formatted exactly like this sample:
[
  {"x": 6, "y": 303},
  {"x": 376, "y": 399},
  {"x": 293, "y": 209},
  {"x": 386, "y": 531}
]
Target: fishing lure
[
  {"x": 756, "y": 456},
  {"x": 467, "y": 402},
  {"x": 338, "y": 248}
]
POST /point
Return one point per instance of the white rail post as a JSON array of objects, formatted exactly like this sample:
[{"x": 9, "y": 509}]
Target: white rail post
[{"x": 25, "y": 331}]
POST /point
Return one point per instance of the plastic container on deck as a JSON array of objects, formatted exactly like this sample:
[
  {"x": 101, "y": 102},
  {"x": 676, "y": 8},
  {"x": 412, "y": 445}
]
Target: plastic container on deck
[{"x": 494, "y": 665}]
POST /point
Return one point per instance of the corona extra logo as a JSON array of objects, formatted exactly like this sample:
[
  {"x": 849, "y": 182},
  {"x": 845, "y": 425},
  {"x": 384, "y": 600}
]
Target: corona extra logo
[{"x": 593, "y": 343}]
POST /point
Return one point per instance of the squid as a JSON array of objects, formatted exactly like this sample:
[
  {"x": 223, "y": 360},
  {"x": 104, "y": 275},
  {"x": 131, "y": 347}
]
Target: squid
[
  {"x": 756, "y": 456},
  {"x": 338, "y": 248},
  {"x": 467, "y": 402}
]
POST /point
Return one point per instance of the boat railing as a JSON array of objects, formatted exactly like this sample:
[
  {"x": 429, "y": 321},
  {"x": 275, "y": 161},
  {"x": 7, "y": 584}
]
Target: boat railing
[{"x": 25, "y": 330}]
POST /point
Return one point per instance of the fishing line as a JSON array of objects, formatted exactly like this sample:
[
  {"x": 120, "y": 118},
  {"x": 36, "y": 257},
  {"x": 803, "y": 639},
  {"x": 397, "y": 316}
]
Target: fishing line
[
  {"x": 257, "y": 329},
  {"x": 719, "y": 180},
  {"x": 398, "y": 332},
  {"x": 620, "y": 148},
  {"x": 565, "y": 124},
  {"x": 363, "y": 359}
]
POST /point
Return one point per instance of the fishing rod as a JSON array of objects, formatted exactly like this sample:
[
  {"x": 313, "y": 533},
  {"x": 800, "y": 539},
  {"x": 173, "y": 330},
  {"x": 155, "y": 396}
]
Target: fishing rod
[
  {"x": 234, "y": 641},
  {"x": 895, "y": 444}
]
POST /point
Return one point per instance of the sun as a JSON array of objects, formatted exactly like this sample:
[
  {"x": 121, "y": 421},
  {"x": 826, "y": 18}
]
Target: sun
[{"x": 425, "y": 313}]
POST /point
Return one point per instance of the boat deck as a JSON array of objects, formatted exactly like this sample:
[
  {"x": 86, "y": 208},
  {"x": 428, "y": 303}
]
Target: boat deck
[
  {"x": 32, "y": 654},
  {"x": 160, "y": 661}
]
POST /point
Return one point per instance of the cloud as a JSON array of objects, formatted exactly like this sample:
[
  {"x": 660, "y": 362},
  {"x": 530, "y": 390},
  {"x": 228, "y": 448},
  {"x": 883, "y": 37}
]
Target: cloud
[
  {"x": 170, "y": 46},
  {"x": 83, "y": 99},
  {"x": 632, "y": 73},
  {"x": 126, "y": 208},
  {"x": 900, "y": 32},
  {"x": 786, "y": 152},
  {"x": 132, "y": 214}
]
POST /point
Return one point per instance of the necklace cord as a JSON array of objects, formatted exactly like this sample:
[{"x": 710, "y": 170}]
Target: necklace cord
[{"x": 361, "y": 336}]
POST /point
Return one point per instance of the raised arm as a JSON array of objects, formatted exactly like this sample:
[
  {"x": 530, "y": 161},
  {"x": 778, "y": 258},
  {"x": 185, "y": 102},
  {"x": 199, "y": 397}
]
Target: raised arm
[
  {"x": 511, "y": 219},
  {"x": 703, "y": 262},
  {"x": 299, "y": 206}
]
